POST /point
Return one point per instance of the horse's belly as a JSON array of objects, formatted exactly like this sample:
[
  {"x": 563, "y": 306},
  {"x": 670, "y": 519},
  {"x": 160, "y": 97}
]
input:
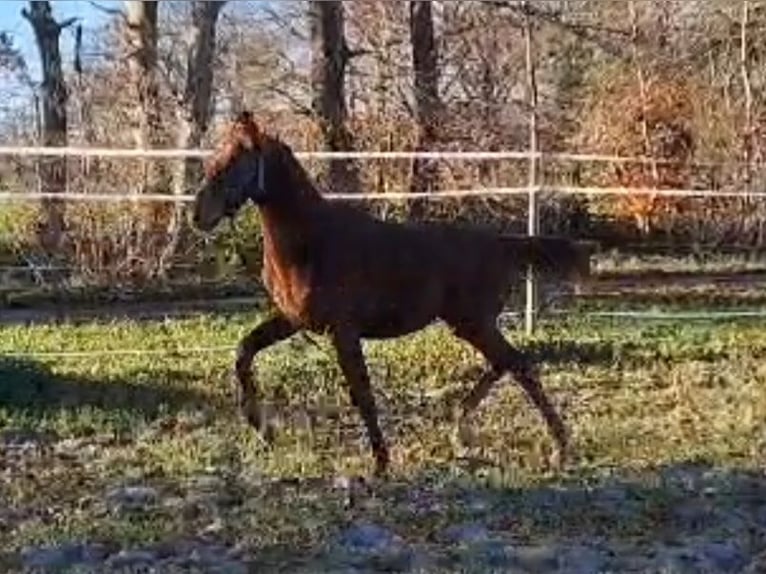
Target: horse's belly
[
  {"x": 399, "y": 312},
  {"x": 394, "y": 324}
]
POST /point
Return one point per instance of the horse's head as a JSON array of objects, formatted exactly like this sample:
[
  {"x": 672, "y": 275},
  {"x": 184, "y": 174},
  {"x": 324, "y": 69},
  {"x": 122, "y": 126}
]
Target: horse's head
[
  {"x": 240, "y": 170},
  {"x": 563, "y": 258}
]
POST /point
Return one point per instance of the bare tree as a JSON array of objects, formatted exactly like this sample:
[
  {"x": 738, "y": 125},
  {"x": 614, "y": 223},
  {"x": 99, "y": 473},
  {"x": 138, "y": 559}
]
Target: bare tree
[
  {"x": 329, "y": 59},
  {"x": 425, "y": 63},
  {"x": 194, "y": 109},
  {"x": 11, "y": 59},
  {"x": 141, "y": 36},
  {"x": 53, "y": 97},
  {"x": 195, "y": 106},
  {"x": 747, "y": 92}
]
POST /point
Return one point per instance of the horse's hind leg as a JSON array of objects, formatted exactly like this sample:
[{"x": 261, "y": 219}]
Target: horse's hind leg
[
  {"x": 503, "y": 358},
  {"x": 351, "y": 359},
  {"x": 271, "y": 331}
]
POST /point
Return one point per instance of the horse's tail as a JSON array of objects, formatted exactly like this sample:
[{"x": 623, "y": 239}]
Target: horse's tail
[{"x": 557, "y": 256}]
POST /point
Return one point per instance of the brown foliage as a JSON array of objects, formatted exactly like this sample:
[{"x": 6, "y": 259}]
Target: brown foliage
[{"x": 614, "y": 125}]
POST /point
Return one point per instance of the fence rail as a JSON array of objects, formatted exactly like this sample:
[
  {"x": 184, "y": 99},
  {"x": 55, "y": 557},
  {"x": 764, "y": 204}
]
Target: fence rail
[
  {"x": 136, "y": 153},
  {"x": 173, "y": 153},
  {"x": 157, "y": 197},
  {"x": 532, "y": 190},
  {"x": 10, "y": 196}
]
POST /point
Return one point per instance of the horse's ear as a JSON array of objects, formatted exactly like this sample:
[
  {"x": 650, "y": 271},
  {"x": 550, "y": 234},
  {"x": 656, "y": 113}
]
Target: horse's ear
[
  {"x": 250, "y": 133},
  {"x": 243, "y": 117}
]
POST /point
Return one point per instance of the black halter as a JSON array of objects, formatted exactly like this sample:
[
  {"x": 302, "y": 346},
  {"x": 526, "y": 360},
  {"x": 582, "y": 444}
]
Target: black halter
[{"x": 236, "y": 199}]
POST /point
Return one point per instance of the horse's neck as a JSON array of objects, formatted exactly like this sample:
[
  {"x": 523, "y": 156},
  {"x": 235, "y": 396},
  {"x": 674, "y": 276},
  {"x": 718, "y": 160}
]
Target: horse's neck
[
  {"x": 290, "y": 224},
  {"x": 288, "y": 230},
  {"x": 300, "y": 183}
]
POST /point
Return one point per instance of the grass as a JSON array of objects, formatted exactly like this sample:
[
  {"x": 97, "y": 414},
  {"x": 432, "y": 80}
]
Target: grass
[{"x": 639, "y": 398}]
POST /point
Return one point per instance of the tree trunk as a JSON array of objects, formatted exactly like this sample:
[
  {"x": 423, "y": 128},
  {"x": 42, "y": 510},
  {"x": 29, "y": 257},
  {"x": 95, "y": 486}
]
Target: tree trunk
[
  {"x": 53, "y": 170},
  {"x": 141, "y": 36},
  {"x": 148, "y": 239},
  {"x": 329, "y": 59},
  {"x": 194, "y": 110},
  {"x": 425, "y": 63},
  {"x": 488, "y": 49}
]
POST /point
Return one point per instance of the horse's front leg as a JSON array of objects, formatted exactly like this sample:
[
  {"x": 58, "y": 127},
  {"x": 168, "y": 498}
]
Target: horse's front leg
[
  {"x": 271, "y": 331},
  {"x": 352, "y": 364}
]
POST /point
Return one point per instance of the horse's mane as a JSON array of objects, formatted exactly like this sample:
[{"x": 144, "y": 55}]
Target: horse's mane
[{"x": 300, "y": 179}]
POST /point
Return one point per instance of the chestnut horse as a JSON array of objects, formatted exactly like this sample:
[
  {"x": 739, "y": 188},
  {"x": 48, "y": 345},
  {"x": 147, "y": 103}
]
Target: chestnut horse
[{"x": 334, "y": 269}]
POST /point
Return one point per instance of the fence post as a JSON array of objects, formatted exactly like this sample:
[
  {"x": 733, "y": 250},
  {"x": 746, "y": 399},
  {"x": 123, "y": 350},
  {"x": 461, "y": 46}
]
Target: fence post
[
  {"x": 530, "y": 315},
  {"x": 533, "y": 220}
]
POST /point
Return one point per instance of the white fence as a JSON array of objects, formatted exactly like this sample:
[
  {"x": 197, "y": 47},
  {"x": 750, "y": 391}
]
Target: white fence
[
  {"x": 128, "y": 153},
  {"x": 132, "y": 153},
  {"x": 530, "y": 190}
]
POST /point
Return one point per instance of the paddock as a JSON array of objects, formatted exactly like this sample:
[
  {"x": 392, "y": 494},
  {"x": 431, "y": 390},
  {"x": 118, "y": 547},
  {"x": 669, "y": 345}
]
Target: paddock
[{"x": 119, "y": 423}]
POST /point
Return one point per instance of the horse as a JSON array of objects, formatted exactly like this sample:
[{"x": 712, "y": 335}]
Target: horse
[{"x": 335, "y": 270}]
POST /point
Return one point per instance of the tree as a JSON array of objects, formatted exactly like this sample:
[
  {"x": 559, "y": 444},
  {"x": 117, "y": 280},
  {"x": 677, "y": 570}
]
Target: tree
[
  {"x": 141, "y": 36},
  {"x": 425, "y": 63},
  {"x": 194, "y": 109},
  {"x": 53, "y": 98},
  {"x": 11, "y": 59},
  {"x": 329, "y": 59}
]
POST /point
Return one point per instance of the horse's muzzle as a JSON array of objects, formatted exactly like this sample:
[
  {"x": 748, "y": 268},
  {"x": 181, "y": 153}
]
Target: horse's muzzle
[
  {"x": 197, "y": 218},
  {"x": 200, "y": 222}
]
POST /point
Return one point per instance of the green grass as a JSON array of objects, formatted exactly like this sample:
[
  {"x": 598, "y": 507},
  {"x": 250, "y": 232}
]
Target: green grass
[{"x": 638, "y": 397}]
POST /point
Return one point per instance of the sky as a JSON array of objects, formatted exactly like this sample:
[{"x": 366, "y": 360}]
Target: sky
[
  {"x": 13, "y": 92},
  {"x": 13, "y": 22}
]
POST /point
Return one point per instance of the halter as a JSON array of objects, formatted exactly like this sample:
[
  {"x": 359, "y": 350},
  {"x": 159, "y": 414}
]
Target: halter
[
  {"x": 261, "y": 173},
  {"x": 234, "y": 203}
]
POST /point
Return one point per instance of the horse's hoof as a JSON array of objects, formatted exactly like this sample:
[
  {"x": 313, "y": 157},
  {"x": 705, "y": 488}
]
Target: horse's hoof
[
  {"x": 558, "y": 459},
  {"x": 380, "y": 472},
  {"x": 461, "y": 438},
  {"x": 355, "y": 489},
  {"x": 256, "y": 416},
  {"x": 463, "y": 433}
]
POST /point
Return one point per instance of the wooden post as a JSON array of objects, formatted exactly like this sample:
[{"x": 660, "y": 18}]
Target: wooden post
[{"x": 533, "y": 221}]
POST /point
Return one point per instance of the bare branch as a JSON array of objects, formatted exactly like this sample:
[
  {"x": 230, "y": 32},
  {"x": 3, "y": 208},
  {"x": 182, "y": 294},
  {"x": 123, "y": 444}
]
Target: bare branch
[
  {"x": 584, "y": 31},
  {"x": 68, "y": 22},
  {"x": 106, "y": 10}
]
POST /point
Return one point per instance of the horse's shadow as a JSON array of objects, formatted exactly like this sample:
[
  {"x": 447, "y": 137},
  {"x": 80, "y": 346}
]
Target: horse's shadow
[{"x": 27, "y": 386}]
